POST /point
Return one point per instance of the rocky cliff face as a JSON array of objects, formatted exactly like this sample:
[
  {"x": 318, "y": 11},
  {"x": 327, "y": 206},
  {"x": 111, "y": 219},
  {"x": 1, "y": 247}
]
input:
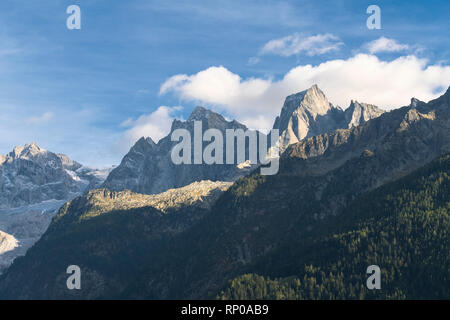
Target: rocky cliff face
[
  {"x": 148, "y": 168},
  {"x": 358, "y": 113},
  {"x": 309, "y": 113}
]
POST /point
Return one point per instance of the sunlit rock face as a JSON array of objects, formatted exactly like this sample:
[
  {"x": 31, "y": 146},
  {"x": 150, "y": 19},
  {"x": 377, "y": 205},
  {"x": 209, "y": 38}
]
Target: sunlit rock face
[{"x": 309, "y": 113}]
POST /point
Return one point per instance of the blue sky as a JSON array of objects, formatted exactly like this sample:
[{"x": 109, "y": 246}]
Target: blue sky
[{"x": 89, "y": 93}]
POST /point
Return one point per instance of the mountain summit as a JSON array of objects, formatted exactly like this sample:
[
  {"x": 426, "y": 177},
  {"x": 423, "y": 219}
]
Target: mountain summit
[
  {"x": 30, "y": 174},
  {"x": 201, "y": 113},
  {"x": 309, "y": 113},
  {"x": 305, "y": 114},
  {"x": 27, "y": 151},
  {"x": 147, "y": 168}
]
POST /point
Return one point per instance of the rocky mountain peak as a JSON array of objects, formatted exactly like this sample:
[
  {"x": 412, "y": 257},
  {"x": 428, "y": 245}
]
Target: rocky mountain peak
[
  {"x": 210, "y": 118},
  {"x": 150, "y": 170},
  {"x": 358, "y": 113},
  {"x": 26, "y": 151},
  {"x": 200, "y": 113},
  {"x": 144, "y": 143},
  {"x": 312, "y": 100},
  {"x": 30, "y": 174},
  {"x": 304, "y": 114},
  {"x": 308, "y": 113},
  {"x": 416, "y": 103},
  {"x": 316, "y": 101}
]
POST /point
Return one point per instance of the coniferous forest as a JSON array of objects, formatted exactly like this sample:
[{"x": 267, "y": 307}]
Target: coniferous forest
[{"x": 402, "y": 227}]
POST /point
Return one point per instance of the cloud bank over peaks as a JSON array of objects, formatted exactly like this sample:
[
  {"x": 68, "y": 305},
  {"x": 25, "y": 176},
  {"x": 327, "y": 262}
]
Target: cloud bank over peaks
[{"x": 364, "y": 77}]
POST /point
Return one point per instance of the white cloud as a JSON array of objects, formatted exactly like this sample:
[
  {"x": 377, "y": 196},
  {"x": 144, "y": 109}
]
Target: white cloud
[
  {"x": 383, "y": 44},
  {"x": 155, "y": 125},
  {"x": 295, "y": 44},
  {"x": 366, "y": 78},
  {"x": 45, "y": 117}
]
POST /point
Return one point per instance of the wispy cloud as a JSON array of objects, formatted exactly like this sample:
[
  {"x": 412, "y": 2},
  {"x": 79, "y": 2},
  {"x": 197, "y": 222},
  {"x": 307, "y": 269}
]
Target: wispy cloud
[
  {"x": 384, "y": 44},
  {"x": 250, "y": 12},
  {"x": 253, "y": 61},
  {"x": 297, "y": 44},
  {"x": 43, "y": 118}
]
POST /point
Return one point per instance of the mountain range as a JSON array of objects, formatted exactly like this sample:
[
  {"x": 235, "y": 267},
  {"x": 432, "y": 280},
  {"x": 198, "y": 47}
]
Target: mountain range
[
  {"x": 355, "y": 187},
  {"x": 147, "y": 168}
]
